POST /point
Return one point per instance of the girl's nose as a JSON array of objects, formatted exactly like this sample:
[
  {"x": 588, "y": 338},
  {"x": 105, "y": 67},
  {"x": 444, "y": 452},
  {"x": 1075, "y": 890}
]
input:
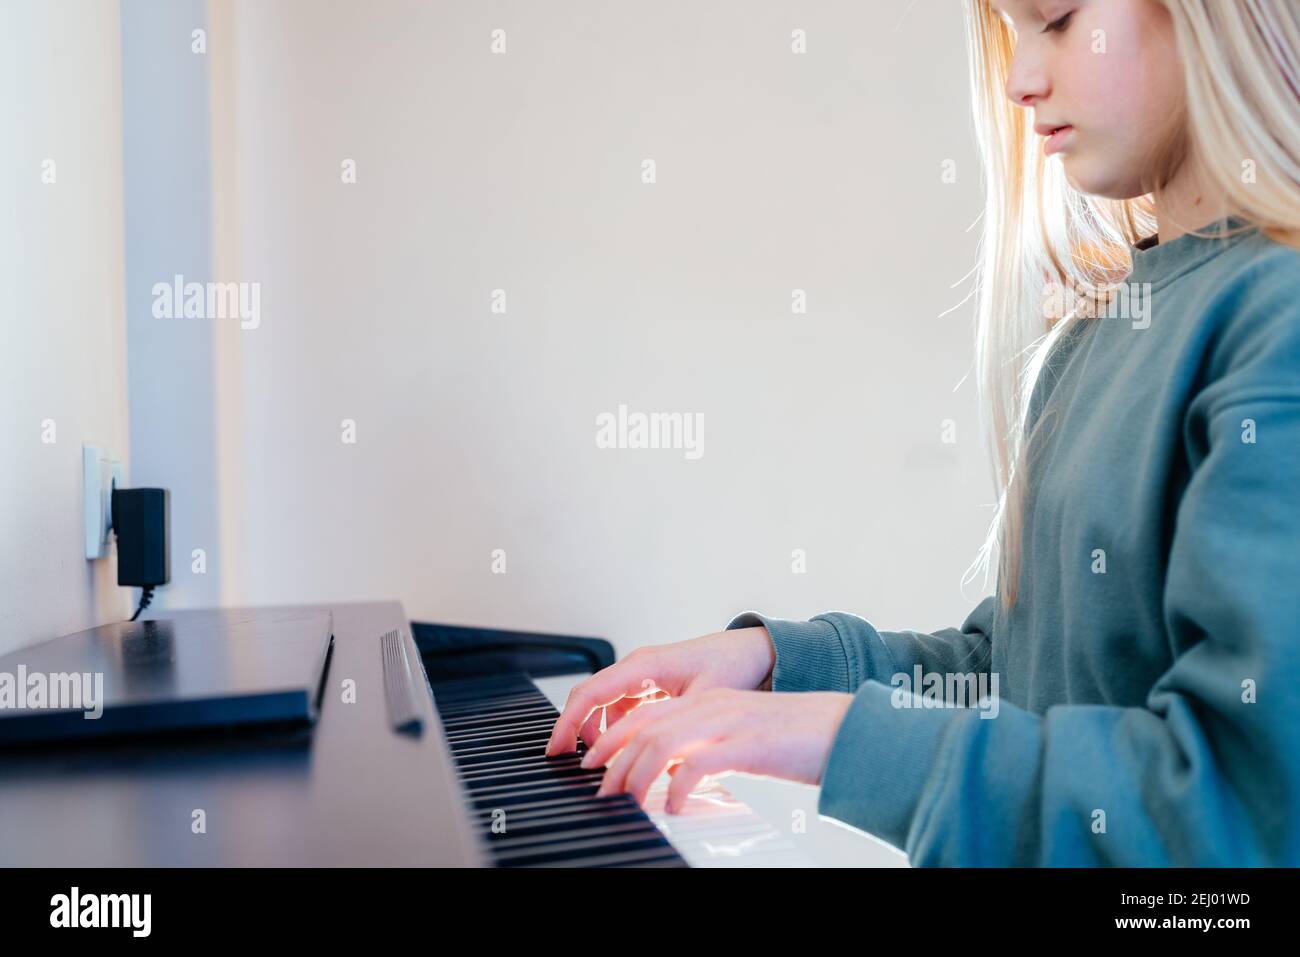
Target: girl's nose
[{"x": 1026, "y": 82}]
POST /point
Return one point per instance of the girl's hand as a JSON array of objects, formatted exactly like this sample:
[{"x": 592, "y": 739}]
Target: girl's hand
[
  {"x": 782, "y": 735},
  {"x": 742, "y": 658}
]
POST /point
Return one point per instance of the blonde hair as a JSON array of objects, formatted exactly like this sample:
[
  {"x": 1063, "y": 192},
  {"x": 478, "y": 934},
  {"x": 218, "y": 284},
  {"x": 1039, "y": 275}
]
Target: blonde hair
[{"x": 1241, "y": 65}]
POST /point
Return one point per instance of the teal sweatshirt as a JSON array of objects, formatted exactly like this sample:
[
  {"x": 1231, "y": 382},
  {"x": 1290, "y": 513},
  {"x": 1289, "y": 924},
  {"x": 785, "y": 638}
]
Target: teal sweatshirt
[{"x": 1148, "y": 676}]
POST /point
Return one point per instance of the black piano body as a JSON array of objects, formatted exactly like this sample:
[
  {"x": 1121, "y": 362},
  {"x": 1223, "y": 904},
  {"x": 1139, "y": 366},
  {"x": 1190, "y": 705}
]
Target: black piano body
[{"x": 472, "y": 789}]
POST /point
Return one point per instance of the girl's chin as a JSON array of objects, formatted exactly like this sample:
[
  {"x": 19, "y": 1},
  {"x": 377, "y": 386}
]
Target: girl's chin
[
  {"x": 1077, "y": 174},
  {"x": 1085, "y": 177}
]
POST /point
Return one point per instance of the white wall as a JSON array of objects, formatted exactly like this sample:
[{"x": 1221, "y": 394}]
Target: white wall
[
  {"x": 169, "y": 231},
  {"x": 477, "y": 431},
  {"x": 62, "y": 330}
]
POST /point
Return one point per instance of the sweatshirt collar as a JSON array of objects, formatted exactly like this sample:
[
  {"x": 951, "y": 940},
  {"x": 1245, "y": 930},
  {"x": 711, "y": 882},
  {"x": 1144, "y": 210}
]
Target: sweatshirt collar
[{"x": 1157, "y": 263}]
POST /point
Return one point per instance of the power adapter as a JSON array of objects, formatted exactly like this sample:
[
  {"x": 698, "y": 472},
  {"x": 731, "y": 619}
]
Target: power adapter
[{"x": 140, "y": 521}]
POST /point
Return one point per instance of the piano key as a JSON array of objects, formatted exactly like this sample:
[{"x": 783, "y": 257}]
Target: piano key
[
  {"x": 645, "y": 857},
  {"x": 497, "y": 730},
  {"x": 589, "y": 848},
  {"x": 533, "y": 810}
]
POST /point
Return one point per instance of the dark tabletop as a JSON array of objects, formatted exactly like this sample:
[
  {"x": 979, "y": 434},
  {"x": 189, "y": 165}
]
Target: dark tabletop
[{"x": 346, "y": 791}]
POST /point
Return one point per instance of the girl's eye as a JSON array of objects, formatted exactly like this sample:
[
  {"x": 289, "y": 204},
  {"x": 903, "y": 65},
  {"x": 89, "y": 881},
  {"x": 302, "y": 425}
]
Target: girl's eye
[{"x": 1058, "y": 25}]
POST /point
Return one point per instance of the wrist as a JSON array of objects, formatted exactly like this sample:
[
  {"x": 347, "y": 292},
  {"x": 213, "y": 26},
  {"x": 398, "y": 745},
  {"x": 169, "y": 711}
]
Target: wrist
[{"x": 766, "y": 651}]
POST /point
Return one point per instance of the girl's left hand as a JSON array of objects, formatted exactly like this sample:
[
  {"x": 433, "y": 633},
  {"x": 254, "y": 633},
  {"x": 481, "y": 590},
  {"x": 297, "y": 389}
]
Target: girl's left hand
[{"x": 781, "y": 735}]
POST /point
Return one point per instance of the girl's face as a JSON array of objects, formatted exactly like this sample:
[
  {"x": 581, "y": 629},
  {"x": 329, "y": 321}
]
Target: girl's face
[{"x": 1105, "y": 76}]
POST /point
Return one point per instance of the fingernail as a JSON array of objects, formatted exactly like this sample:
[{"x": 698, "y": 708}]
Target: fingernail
[{"x": 587, "y": 761}]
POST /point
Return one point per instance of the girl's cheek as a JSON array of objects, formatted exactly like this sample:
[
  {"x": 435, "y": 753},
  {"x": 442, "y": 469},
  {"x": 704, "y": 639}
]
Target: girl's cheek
[
  {"x": 1109, "y": 93},
  {"x": 1137, "y": 72},
  {"x": 1104, "y": 103}
]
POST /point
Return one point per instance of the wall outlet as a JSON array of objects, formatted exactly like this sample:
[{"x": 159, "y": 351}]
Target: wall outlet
[{"x": 101, "y": 470}]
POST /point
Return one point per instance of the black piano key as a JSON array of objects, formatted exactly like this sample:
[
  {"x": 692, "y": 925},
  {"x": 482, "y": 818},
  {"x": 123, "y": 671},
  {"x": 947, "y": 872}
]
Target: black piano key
[
  {"x": 480, "y": 723},
  {"x": 586, "y": 853},
  {"x": 672, "y": 859},
  {"x": 565, "y": 821},
  {"x": 533, "y": 810},
  {"x": 480, "y": 755},
  {"x": 536, "y": 793},
  {"x": 565, "y": 805},
  {"x": 478, "y": 739},
  {"x": 501, "y": 767},
  {"x": 514, "y": 841},
  {"x": 556, "y": 814},
  {"x": 493, "y": 782}
]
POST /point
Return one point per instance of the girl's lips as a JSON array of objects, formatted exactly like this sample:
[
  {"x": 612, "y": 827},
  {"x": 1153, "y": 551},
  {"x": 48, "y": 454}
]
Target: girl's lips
[{"x": 1057, "y": 140}]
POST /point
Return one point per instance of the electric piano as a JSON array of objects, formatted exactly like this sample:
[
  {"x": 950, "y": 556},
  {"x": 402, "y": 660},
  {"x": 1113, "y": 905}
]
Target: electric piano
[{"x": 400, "y": 768}]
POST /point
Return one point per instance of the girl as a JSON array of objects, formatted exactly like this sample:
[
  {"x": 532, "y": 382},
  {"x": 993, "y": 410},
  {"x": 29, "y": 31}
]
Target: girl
[{"x": 1139, "y": 357}]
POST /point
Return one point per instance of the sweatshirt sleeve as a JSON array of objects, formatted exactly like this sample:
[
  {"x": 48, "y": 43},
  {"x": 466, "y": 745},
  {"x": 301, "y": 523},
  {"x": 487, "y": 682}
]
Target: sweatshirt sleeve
[
  {"x": 838, "y": 651},
  {"x": 1207, "y": 771}
]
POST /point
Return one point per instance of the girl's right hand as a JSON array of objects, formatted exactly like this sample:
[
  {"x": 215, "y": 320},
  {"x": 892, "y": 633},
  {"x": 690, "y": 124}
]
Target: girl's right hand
[{"x": 741, "y": 659}]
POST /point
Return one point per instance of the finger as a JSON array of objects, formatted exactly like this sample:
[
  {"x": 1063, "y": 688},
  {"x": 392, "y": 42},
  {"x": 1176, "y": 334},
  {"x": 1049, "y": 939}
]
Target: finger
[
  {"x": 625, "y": 706},
  {"x": 583, "y": 699},
  {"x": 615, "y": 737},
  {"x": 613, "y": 712},
  {"x": 669, "y": 742},
  {"x": 616, "y": 769},
  {"x": 591, "y": 727},
  {"x": 600, "y": 689},
  {"x": 645, "y": 756},
  {"x": 655, "y": 757},
  {"x": 724, "y": 754}
]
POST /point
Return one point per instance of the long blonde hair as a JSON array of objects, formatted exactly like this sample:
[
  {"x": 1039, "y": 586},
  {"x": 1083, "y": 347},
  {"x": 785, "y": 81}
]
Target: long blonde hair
[{"x": 1241, "y": 105}]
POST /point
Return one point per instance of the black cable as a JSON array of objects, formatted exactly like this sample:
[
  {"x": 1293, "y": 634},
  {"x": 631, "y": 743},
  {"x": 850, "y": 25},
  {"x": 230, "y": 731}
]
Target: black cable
[{"x": 146, "y": 596}]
